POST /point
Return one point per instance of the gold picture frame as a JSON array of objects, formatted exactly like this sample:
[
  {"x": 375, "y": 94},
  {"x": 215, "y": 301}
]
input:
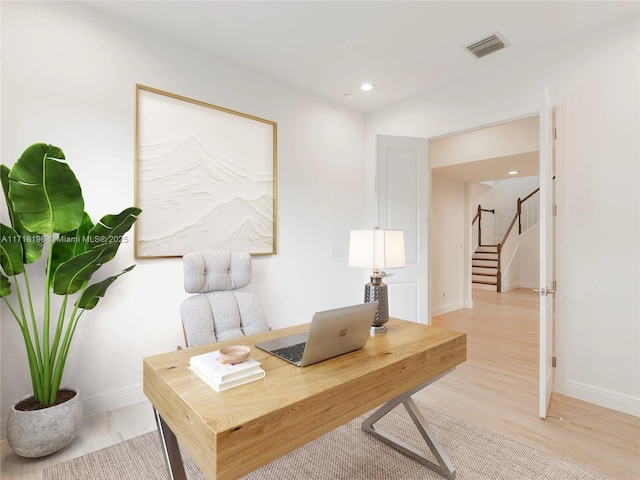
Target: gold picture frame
[{"x": 206, "y": 177}]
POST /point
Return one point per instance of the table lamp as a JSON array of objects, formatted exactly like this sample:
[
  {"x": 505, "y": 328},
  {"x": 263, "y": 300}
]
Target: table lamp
[{"x": 377, "y": 249}]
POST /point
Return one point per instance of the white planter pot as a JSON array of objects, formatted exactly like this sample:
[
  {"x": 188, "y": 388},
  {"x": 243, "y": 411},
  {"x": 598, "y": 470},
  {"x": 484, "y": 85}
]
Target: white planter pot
[{"x": 42, "y": 432}]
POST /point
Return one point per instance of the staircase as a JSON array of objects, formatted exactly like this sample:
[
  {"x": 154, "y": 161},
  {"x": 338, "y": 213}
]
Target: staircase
[
  {"x": 484, "y": 267},
  {"x": 486, "y": 262}
]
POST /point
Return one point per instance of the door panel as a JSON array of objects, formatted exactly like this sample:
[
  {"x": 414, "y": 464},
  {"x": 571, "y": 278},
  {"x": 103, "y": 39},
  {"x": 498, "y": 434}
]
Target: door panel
[
  {"x": 546, "y": 284},
  {"x": 402, "y": 205}
]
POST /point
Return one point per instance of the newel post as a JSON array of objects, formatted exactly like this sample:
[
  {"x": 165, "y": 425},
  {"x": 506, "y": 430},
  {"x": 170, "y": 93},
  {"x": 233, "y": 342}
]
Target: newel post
[
  {"x": 479, "y": 227},
  {"x": 499, "y": 272}
]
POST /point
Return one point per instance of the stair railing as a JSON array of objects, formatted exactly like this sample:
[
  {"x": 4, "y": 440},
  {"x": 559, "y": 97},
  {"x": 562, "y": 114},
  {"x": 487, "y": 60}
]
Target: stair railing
[
  {"x": 478, "y": 218},
  {"x": 530, "y": 219},
  {"x": 531, "y": 215}
]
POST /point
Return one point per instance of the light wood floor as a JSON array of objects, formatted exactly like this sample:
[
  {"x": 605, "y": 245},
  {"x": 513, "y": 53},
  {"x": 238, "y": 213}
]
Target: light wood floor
[
  {"x": 97, "y": 431},
  {"x": 496, "y": 388}
]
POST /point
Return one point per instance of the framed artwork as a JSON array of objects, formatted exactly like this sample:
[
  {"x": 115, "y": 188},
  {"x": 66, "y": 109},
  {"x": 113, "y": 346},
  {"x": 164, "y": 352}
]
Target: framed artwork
[{"x": 205, "y": 177}]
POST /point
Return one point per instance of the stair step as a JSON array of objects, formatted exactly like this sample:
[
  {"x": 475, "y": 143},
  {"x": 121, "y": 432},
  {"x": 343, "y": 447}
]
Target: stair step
[
  {"x": 484, "y": 273},
  {"x": 484, "y": 267},
  {"x": 485, "y": 256},
  {"x": 485, "y": 282},
  {"x": 487, "y": 249},
  {"x": 484, "y": 263}
]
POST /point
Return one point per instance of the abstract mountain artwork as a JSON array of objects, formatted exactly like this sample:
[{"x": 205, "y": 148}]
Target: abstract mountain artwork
[{"x": 205, "y": 178}]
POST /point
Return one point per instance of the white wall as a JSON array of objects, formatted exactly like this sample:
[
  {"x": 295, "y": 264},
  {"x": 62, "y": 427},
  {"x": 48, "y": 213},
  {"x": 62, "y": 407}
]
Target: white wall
[
  {"x": 447, "y": 246},
  {"x": 598, "y": 271},
  {"x": 68, "y": 78}
]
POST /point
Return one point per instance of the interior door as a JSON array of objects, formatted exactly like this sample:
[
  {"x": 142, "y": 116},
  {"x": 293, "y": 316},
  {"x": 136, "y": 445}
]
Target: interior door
[
  {"x": 546, "y": 287},
  {"x": 402, "y": 182}
]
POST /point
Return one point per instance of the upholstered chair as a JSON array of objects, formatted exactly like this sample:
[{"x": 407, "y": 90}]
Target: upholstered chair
[{"x": 219, "y": 310}]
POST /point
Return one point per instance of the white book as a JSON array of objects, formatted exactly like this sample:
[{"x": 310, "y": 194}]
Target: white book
[
  {"x": 221, "y": 371},
  {"x": 245, "y": 377}
]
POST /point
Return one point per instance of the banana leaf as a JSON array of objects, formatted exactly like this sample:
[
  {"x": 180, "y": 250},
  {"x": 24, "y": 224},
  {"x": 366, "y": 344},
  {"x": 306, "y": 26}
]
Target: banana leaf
[
  {"x": 45, "y": 193},
  {"x": 31, "y": 243},
  {"x": 95, "y": 292},
  {"x": 70, "y": 244},
  {"x": 71, "y": 275},
  {"x": 10, "y": 251},
  {"x": 111, "y": 228},
  {"x": 5, "y": 286}
]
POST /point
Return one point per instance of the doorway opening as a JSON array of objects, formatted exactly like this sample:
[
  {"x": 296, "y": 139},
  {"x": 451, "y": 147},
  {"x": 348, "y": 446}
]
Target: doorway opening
[
  {"x": 457, "y": 163},
  {"x": 487, "y": 168}
]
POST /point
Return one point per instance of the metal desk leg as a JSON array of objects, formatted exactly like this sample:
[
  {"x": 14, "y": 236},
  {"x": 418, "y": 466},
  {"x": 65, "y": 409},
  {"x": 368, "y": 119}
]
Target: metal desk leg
[
  {"x": 444, "y": 466},
  {"x": 170, "y": 449}
]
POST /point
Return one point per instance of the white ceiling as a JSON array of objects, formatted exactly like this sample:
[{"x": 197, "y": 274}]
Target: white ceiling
[
  {"x": 330, "y": 48},
  {"x": 403, "y": 47}
]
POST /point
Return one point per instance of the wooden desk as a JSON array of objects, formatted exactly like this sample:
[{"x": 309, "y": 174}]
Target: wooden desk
[{"x": 234, "y": 432}]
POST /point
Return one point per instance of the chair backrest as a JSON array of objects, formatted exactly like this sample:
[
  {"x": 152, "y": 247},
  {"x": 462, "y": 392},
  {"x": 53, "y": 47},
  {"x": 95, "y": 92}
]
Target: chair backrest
[{"x": 218, "y": 310}]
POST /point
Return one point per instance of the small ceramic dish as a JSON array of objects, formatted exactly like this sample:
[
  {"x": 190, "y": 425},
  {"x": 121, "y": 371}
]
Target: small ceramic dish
[{"x": 235, "y": 353}]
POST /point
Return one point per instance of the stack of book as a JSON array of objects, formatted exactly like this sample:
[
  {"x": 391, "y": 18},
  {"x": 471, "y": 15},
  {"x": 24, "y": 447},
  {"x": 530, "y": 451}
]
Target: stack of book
[{"x": 222, "y": 375}]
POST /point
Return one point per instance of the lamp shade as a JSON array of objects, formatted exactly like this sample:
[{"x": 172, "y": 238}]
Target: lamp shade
[{"x": 376, "y": 248}]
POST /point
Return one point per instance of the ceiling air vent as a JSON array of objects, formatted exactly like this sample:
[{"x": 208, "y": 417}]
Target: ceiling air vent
[{"x": 487, "y": 45}]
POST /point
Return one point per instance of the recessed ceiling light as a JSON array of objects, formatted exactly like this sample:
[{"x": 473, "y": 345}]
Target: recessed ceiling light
[
  {"x": 366, "y": 87},
  {"x": 513, "y": 172}
]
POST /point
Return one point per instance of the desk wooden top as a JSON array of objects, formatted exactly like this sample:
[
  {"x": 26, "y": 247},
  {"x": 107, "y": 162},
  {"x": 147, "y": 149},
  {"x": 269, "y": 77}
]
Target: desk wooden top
[{"x": 234, "y": 432}]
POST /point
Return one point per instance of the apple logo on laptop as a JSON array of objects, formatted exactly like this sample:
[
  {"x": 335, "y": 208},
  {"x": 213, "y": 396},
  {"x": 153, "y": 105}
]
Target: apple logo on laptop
[{"x": 343, "y": 332}]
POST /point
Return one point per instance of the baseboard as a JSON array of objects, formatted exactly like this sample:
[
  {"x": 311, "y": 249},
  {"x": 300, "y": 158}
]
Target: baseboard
[
  {"x": 513, "y": 286},
  {"x": 604, "y": 398},
  {"x": 450, "y": 307},
  {"x": 99, "y": 403},
  {"x": 112, "y": 400},
  {"x": 510, "y": 286}
]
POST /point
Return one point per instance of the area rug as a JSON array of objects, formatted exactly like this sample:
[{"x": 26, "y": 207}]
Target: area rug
[{"x": 347, "y": 453}]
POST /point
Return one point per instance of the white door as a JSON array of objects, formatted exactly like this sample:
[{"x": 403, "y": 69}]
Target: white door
[
  {"x": 403, "y": 205},
  {"x": 546, "y": 254}
]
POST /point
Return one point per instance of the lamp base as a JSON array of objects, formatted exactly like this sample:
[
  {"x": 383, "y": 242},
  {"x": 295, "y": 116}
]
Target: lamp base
[
  {"x": 378, "y": 329},
  {"x": 376, "y": 290}
]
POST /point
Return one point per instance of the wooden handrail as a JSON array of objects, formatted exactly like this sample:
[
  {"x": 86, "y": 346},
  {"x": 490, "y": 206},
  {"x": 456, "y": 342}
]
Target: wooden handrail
[
  {"x": 531, "y": 194},
  {"x": 506, "y": 235}
]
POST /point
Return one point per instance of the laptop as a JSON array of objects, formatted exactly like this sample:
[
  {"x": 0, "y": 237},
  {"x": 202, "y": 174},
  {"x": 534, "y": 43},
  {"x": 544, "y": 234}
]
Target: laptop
[{"x": 332, "y": 333}]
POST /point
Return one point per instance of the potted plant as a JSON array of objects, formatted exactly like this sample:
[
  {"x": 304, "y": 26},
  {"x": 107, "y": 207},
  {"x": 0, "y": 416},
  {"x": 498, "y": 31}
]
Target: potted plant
[{"x": 51, "y": 235}]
